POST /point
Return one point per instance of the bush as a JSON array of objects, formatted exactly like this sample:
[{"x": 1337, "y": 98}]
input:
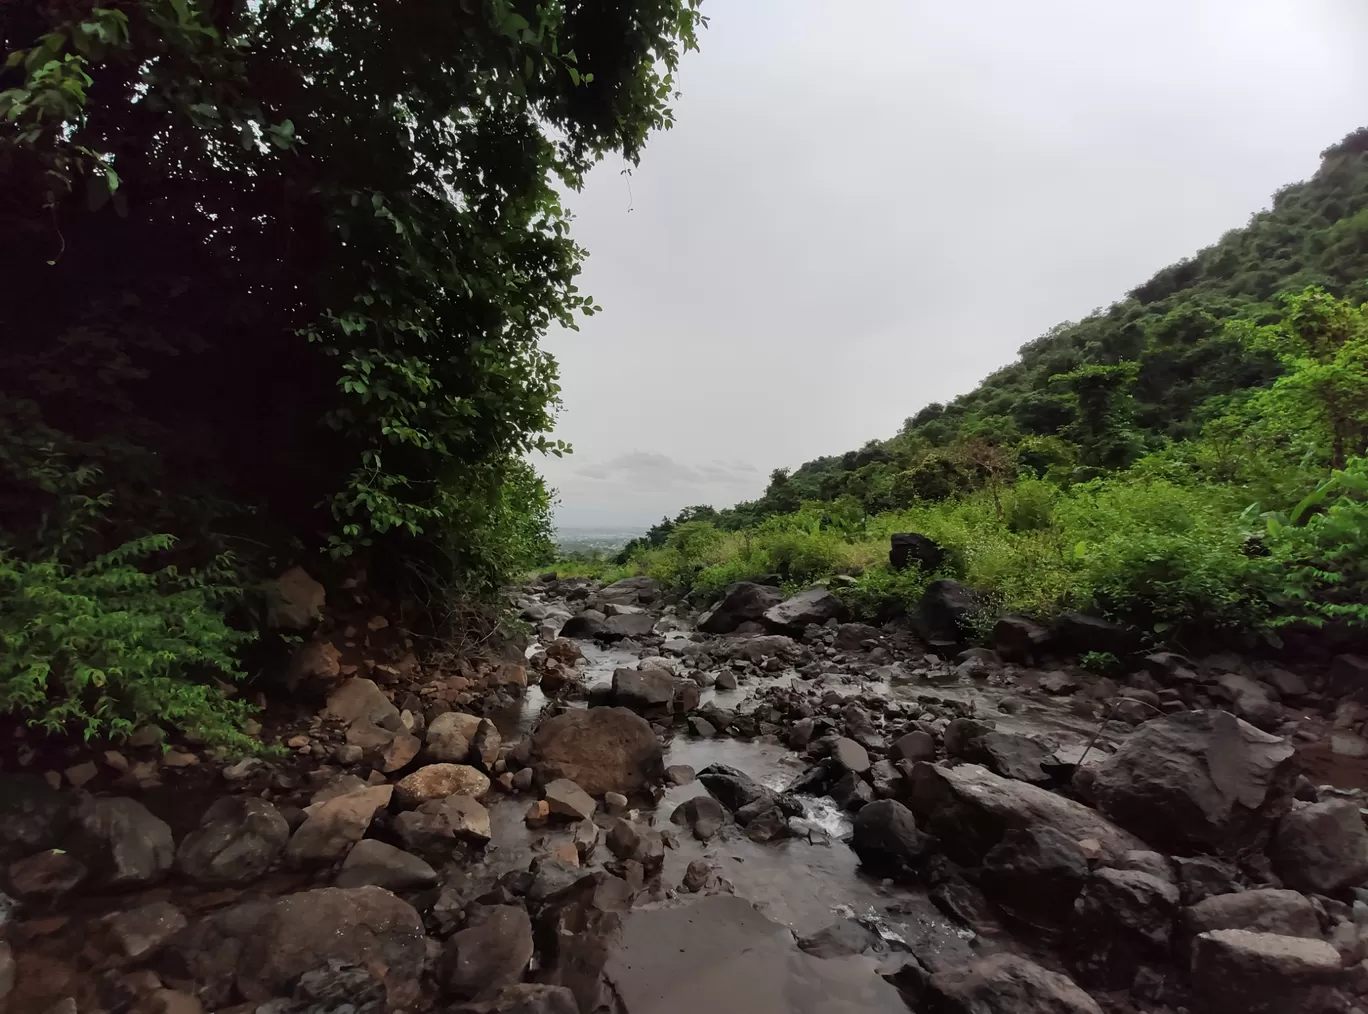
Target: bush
[{"x": 107, "y": 646}]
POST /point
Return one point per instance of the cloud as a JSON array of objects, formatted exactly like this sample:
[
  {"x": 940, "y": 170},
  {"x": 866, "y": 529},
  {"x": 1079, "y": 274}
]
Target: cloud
[{"x": 654, "y": 472}]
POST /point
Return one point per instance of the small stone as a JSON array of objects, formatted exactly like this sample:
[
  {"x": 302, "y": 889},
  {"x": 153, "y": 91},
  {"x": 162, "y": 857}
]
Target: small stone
[
  {"x": 173, "y": 1001},
  {"x": 148, "y": 735},
  {"x": 679, "y": 774},
  {"x": 80, "y": 774},
  {"x": 400, "y": 751},
  {"x": 243, "y": 769},
  {"x": 299, "y": 742},
  {"x": 141, "y": 932},
  {"x": 566, "y": 853},
  {"x": 522, "y": 779},
  {"x": 615, "y": 803},
  {"x": 726, "y": 680},
  {"x": 181, "y": 759},
  {"x": 54, "y": 779},
  {"x": 46, "y": 873},
  {"x": 623, "y": 839},
  {"x": 348, "y": 753},
  {"x": 1092, "y": 849},
  {"x": 537, "y": 814},
  {"x": 696, "y": 876},
  {"x": 374, "y": 862}
]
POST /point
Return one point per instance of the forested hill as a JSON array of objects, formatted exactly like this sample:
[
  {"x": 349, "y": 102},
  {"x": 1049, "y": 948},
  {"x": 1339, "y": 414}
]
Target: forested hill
[{"x": 1173, "y": 328}]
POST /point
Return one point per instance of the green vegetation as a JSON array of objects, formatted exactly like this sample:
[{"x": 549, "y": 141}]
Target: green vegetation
[
  {"x": 1190, "y": 460},
  {"x": 277, "y": 275}
]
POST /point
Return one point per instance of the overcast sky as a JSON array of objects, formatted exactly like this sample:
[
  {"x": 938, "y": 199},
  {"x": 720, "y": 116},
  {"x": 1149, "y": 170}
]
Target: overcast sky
[{"x": 867, "y": 207}]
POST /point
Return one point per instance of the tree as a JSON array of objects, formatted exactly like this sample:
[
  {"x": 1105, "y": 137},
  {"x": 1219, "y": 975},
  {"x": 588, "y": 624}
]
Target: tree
[
  {"x": 1103, "y": 410},
  {"x": 278, "y": 270},
  {"x": 1322, "y": 345}
]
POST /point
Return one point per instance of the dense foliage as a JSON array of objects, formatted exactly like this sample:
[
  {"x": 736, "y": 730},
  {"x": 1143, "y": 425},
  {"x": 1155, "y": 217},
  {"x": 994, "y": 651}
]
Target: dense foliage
[
  {"x": 1191, "y": 459},
  {"x": 277, "y": 274}
]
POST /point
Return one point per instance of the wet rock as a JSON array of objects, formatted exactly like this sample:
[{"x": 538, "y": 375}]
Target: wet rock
[
  {"x": 1145, "y": 861},
  {"x": 1199, "y": 781},
  {"x": 51, "y": 873},
  {"x": 909, "y": 548},
  {"x": 585, "y": 625},
  {"x": 962, "y": 736},
  {"x": 734, "y": 789},
  {"x": 437, "y": 781},
  {"x": 725, "y": 680},
  {"x": 143, "y": 931},
  {"x": 887, "y": 839},
  {"x": 1034, "y": 874},
  {"x": 524, "y": 998},
  {"x": 1239, "y": 972},
  {"x": 449, "y": 735},
  {"x": 886, "y": 779},
  {"x": 637, "y": 590},
  {"x": 696, "y": 876},
  {"x": 741, "y": 602},
  {"x": 648, "y": 691},
  {"x": 261, "y": 948},
  {"x": 122, "y": 843},
  {"x": 851, "y": 756},
  {"x": 702, "y": 944},
  {"x": 1005, "y": 984},
  {"x": 566, "y": 799},
  {"x": 703, "y": 815},
  {"x": 816, "y": 605},
  {"x": 680, "y": 774},
  {"x": 613, "y": 802},
  {"x": 360, "y": 700},
  {"x": 915, "y": 746},
  {"x": 852, "y": 636},
  {"x": 332, "y": 827},
  {"x": 946, "y": 610},
  {"x": 701, "y": 727},
  {"x": 624, "y": 839},
  {"x": 294, "y": 601},
  {"x": 1347, "y": 677},
  {"x": 313, "y": 663},
  {"x": 33, "y": 815},
  {"x": 491, "y": 952},
  {"x": 1020, "y": 639},
  {"x": 337, "y": 988},
  {"x": 1250, "y": 700},
  {"x": 433, "y": 826},
  {"x": 600, "y": 749},
  {"x": 767, "y": 825},
  {"x": 842, "y": 940},
  {"x": 1201, "y": 877},
  {"x": 1261, "y": 911},
  {"x": 1011, "y": 756},
  {"x": 969, "y": 808},
  {"x": 238, "y": 839},
  {"x": 1322, "y": 847},
  {"x": 1123, "y": 919},
  {"x": 374, "y": 863}
]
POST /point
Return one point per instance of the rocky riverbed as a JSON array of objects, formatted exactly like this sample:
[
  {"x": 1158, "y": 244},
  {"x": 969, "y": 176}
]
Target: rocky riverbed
[{"x": 756, "y": 808}]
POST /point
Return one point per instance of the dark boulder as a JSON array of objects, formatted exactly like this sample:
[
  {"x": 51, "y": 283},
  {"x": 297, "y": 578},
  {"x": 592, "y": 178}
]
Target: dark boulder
[
  {"x": 947, "y": 611},
  {"x": 33, "y": 816},
  {"x": 909, "y": 548},
  {"x": 1034, "y": 874},
  {"x": 1348, "y": 677},
  {"x": 1123, "y": 919},
  {"x": 238, "y": 839},
  {"x": 600, "y": 749},
  {"x": 1004, "y": 984},
  {"x": 734, "y": 789},
  {"x": 623, "y": 626},
  {"x": 631, "y": 591},
  {"x": 122, "y": 843},
  {"x": 1198, "y": 781},
  {"x": 741, "y": 602},
  {"x": 492, "y": 951},
  {"x": 1266, "y": 910},
  {"x": 815, "y": 606},
  {"x": 585, "y": 625},
  {"x": 1021, "y": 639},
  {"x": 887, "y": 840},
  {"x": 1321, "y": 847},
  {"x": 1241, "y": 972},
  {"x": 1079, "y": 633},
  {"x": 645, "y": 691}
]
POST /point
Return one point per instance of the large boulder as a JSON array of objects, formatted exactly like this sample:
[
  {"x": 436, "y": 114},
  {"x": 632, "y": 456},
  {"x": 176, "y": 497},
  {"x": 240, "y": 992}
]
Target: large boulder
[
  {"x": 1004, "y": 984},
  {"x": 437, "y": 781},
  {"x": 1197, "y": 781},
  {"x": 1348, "y": 677},
  {"x": 238, "y": 839},
  {"x": 741, "y": 602},
  {"x": 631, "y": 591},
  {"x": 360, "y": 700},
  {"x": 645, "y": 691},
  {"x": 887, "y": 840},
  {"x": 1240, "y": 972},
  {"x": 1021, "y": 639},
  {"x": 334, "y": 825},
  {"x": 948, "y": 610},
  {"x": 1123, "y": 919},
  {"x": 492, "y": 951},
  {"x": 586, "y": 625},
  {"x": 374, "y": 863},
  {"x": 600, "y": 749},
  {"x": 816, "y": 605},
  {"x": 1080, "y": 634},
  {"x": 1034, "y": 874},
  {"x": 260, "y": 948},
  {"x": 294, "y": 601},
  {"x": 449, "y": 736},
  {"x": 909, "y": 548},
  {"x": 122, "y": 843},
  {"x": 1266, "y": 910},
  {"x": 618, "y": 628},
  {"x": 1321, "y": 847},
  {"x": 970, "y": 809}
]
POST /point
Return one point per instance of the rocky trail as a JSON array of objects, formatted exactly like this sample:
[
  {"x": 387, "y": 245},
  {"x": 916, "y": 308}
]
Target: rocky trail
[{"x": 758, "y": 808}]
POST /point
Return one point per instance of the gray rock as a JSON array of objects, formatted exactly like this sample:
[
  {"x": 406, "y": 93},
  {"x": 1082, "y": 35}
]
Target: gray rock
[
  {"x": 238, "y": 839},
  {"x": 915, "y": 746},
  {"x": 843, "y": 939},
  {"x": 1197, "y": 781},
  {"x": 1020, "y": 639},
  {"x": 624, "y": 839},
  {"x": 1261, "y": 911},
  {"x": 491, "y": 952},
  {"x": 851, "y": 756},
  {"x": 740, "y": 602},
  {"x": 332, "y": 827},
  {"x": 1239, "y": 972},
  {"x": 703, "y": 815},
  {"x": 617, "y": 628},
  {"x": 1322, "y": 847},
  {"x": 908, "y": 548},
  {"x": 524, "y": 998},
  {"x": 294, "y": 601},
  {"x": 734, "y": 789},
  {"x": 646, "y": 691},
  {"x": 1006, "y": 984},
  {"x": 1034, "y": 874},
  {"x": 1122, "y": 920},
  {"x": 33, "y": 816},
  {"x": 1011, "y": 755},
  {"x": 360, "y": 700},
  {"x": 374, "y": 863},
  {"x": 680, "y": 774},
  {"x": 122, "y": 843},
  {"x": 566, "y": 799},
  {"x": 962, "y": 737},
  {"x": 142, "y": 932},
  {"x": 816, "y": 605},
  {"x": 946, "y": 610},
  {"x": 449, "y": 736},
  {"x": 1201, "y": 877}
]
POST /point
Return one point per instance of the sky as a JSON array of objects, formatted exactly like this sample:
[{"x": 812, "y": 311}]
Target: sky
[{"x": 864, "y": 208}]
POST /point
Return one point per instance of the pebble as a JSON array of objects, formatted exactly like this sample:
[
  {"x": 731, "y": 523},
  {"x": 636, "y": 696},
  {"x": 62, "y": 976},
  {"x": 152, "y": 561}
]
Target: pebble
[
  {"x": 299, "y": 742},
  {"x": 80, "y": 774},
  {"x": 179, "y": 759}
]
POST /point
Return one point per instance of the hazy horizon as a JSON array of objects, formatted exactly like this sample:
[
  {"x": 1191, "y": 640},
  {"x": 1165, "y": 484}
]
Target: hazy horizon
[{"x": 836, "y": 234}]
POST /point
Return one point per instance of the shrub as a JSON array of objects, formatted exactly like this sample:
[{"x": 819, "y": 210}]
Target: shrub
[{"x": 107, "y": 646}]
